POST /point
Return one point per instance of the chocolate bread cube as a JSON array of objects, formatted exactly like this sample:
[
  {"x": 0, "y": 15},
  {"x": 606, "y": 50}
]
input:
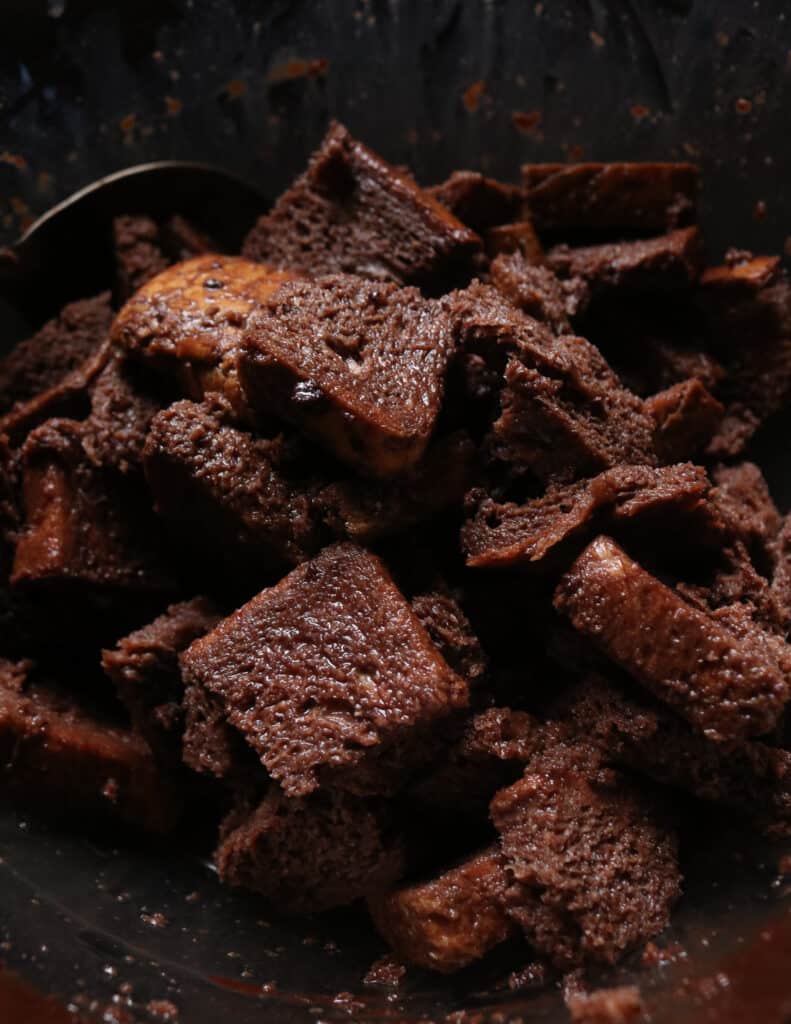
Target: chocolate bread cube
[
  {"x": 209, "y": 476},
  {"x": 729, "y": 686},
  {"x": 450, "y": 921},
  {"x": 62, "y": 760},
  {"x": 359, "y": 366},
  {"x": 592, "y": 862},
  {"x": 508, "y": 535},
  {"x": 520, "y": 237},
  {"x": 80, "y": 527},
  {"x": 60, "y": 347},
  {"x": 187, "y": 322},
  {"x": 144, "y": 668},
  {"x": 352, "y": 212},
  {"x": 444, "y": 620},
  {"x": 478, "y": 201},
  {"x": 744, "y": 502},
  {"x": 310, "y": 854},
  {"x": 539, "y": 292},
  {"x": 687, "y": 416},
  {"x": 324, "y": 669},
  {"x": 640, "y": 196},
  {"x": 144, "y": 248}
]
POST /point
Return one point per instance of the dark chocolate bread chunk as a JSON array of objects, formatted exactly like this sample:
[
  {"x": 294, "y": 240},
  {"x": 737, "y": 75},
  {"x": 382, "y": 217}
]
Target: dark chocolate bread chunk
[
  {"x": 729, "y": 686},
  {"x": 60, "y": 347},
  {"x": 359, "y": 366},
  {"x": 640, "y": 196},
  {"x": 187, "y": 322},
  {"x": 665, "y": 263},
  {"x": 82, "y": 528},
  {"x": 538, "y": 291},
  {"x": 144, "y": 248},
  {"x": 647, "y": 737},
  {"x": 325, "y": 669},
  {"x": 352, "y": 212},
  {"x": 310, "y": 854},
  {"x": 686, "y": 416},
  {"x": 210, "y": 477},
  {"x": 564, "y": 413},
  {"x": 507, "y": 535},
  {"x": 781, "y": 573},
  {"x": 478, "y": 201},
  {"x": 520, "y": 237},
  {"x": 744, "y": 502},
  {"x": 210, "y": 745},
  {"x": 449, "y": 628},
  {"x": 592, "y": 863},
  {"x": 450, "y": 921},
  {"x": 60, "y": 759},
  {"x": 144, "y": 668}
]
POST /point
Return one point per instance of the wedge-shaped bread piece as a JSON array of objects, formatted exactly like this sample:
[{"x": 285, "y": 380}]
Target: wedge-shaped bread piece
[
  {"x": 507, "y": 535},
  {"x": 687, "y": 416},
  {"x": 664, "y": 263},
  {"x": 324, "y": 669},
  {"x": 451, "y": 920},
  {"x": 651, "y": 196},
  {"x": 81, "y": 527},
  {"x": 358, "y": 365},
  {"x": 62, "y": 760},
  {"x": 188, "y": 321},
  {"x": 729, "y": 686},
  {"x": 352, "y": 212},
  {"x": 538, "y": 291},
  {"x": 478, "y": 201},
  {"x": 592, "y": 862},
  {"x": 309, "y": 854},
  {"x": 207, "y": 474}
]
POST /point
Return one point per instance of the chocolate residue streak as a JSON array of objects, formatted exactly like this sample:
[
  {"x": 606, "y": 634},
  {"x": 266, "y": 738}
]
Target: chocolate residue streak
[
  {"x": 760, "y": 210},
  {"x": 526, "y": 121},
  {"x": 597, "y": 39},
  {"x": 787, "y": 246},
  {"x": 20, "y": 1002},
  {"x": 14, "y": 160},
  {"x": 639, "y": 112},
  {"x": 173, "y": 105},
  {"x": 297, "y": 68},
  {"x": 743, "y": 105},
  {"x": 163, "y": 1010},
  {"x": 472, "y": 95},
  {"x": 235, "y": 89}
]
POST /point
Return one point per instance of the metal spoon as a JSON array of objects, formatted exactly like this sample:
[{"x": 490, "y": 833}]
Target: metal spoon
[{"x": 67, "y": 253}]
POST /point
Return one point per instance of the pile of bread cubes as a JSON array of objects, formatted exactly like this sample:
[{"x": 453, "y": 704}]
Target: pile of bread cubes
[{"x": 411, "y": 552}]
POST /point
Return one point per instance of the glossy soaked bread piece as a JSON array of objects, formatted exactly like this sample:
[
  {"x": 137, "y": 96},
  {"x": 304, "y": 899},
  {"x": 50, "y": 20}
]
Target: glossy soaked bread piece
[
  {"x": 729, "y": 687},
  {"x": 645, "y": 196},
  {"x": 520, "y": 237},
  {"x": 591, "y": 861},
  {"x": 352, "y": 212},
  {"x": 687, "y": 416},
  {"x": 507, "y": 535},
  {"x": 80, "y": 527},
  {"x": 645, "y": 736},
  {"x": 359, "y": 366},
  {"x": 188, "y": 321},
  {"x": 60, "y": 347},
  {"x": 478, "y": 201},
  {"x": 564, "y": 413},
  {"x": 325, "y": 668},
  {"x": 207, "y": 474},
  {"x": 144, "y": 668},
  {"x": 538, "y": 291},
  {"x": 62, "y": 759},
  {"x": 450, "y": 921},
  {"x": 450, "y": 630},
  {"x": 664, "y": 263},
  {"x": 310, "y": 854}
]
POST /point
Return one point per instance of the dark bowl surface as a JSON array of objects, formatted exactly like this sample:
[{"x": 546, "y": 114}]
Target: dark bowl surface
[{"x": 90, "y": 86}]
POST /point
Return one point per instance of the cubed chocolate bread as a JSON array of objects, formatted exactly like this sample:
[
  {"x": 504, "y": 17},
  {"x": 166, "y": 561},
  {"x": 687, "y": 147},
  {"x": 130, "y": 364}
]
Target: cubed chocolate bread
[
  {"x": 538, "y": 291},
  {"x": 686, "y": 417},
  {"x": 744, "y": 501},
  {"x": 309, "y": 854},
  {"x": 144, "y": 668},
  {"x": 324, "y": 669},
  {"x": 551, "y": 528},
  {"x": 592, "y": 862},
  {"x": 81, "y": 528},
  {"x": 639, "y": 196},
  {"x": 352, "y": 212},
  {"x": 211, "y": 746},
  {"x": 144, "y": 248},
  {"x": 60, "y": 759},
  {"x": 187, "y": 322},
  {"x": 358, "y": 365},
  {"x": 520, "y": 237},
  {"x": 664, "y": 263},
  {"x": 478, "y": 201},
  {"x": 450, "y": 921},
  {"x": 444, "y": 620},
  {"x": 210, "y": 477},
  {"x": 728, "y": 686},
  {"x": 60, "y": 347}
]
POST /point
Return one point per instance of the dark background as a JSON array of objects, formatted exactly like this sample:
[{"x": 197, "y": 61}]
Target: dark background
[{"x": 90, "y": 86}]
